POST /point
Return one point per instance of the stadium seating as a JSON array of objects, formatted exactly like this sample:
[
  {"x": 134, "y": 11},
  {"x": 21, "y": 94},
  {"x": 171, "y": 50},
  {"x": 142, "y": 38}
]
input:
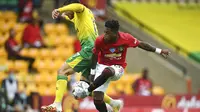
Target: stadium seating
[
  {"x": 178, "y": 23},
  {"x": 21, "y": 86},
  {"x": 2, "y": 76},
  {"x": 3, "y": 53},
  {"x": 49, "y": 28},
  {"x": 62, "y": 29},
  {"x": 10, "y": 64},
  {"x": 31, "y": 87},
  {"x": 19, "y": 27},
  {"x": 21, "y": 66},
  {"x": 157, "y": 90},
  {"x": 32, "y": 52}
]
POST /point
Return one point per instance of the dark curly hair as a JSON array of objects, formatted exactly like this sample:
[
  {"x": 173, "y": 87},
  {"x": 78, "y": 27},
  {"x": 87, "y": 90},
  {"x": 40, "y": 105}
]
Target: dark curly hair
[
  {"x": 113, "y": 25},
  {"x": 67, "y": 2}
]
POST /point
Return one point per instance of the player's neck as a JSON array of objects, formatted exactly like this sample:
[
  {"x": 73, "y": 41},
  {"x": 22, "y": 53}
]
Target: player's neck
[
  {"x": 113, "y": 41},
  {"x": 116, "y": 39}
]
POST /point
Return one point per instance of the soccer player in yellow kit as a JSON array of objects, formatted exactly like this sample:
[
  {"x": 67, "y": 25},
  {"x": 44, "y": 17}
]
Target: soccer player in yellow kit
[{"x": 87, "y": 32}]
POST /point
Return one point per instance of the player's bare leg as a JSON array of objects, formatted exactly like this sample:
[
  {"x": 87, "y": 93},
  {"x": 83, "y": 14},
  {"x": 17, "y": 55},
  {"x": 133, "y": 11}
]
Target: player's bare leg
[
  {"x": 99, "y": 103},
  {"x": 61, "y": 86},
  {"x": 106, "y": 74},
  {"x": 116, "y": 104}
]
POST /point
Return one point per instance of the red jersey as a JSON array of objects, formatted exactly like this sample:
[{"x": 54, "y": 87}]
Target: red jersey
[
  {"x": 32, "y": 34},
  {"x": 9, "y": 46},
  {"x": 143, "y": 87},
  {"x": 114, "y": 53}
]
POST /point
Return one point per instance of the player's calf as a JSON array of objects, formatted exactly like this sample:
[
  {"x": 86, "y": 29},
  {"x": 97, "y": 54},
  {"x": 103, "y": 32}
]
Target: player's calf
[
  {"x": 98, "y": 101},
  {"x": 61, "y": 85},
  {"x": 106, "y": 74}
]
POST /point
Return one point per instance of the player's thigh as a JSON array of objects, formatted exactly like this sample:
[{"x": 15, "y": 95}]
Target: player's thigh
[
  {"x": 99, "y": 69},
  {"x": 98, "y": 97},
  {"x": 65, "y": 69},
  {"x": 103, "y": 87},
  {"x": 119, "y": 71}
]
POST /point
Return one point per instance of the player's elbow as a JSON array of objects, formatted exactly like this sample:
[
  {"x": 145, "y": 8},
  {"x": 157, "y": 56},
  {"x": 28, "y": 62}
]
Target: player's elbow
[{"x": 80, "y": 8}]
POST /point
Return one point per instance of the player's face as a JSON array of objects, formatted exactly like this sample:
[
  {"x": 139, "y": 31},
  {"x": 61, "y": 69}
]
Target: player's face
[
  {"x": 12, "y": 33},
  {"x": 109, "y": 36},
  {"x": 70, "y": 14},
  {"x": 145, "y": 74}
]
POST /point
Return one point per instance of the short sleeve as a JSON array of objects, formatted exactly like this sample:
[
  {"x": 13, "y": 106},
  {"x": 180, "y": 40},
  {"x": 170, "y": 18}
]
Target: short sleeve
[
  {"x": 132, "y": 41},
  {"x": 97, "y": 46}
]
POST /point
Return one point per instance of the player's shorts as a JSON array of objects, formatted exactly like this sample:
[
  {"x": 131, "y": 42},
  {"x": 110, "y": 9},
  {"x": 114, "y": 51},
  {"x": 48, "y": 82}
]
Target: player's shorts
[
  {"x": 80, "y": 64},
  {"x": 119, "y": 71}
]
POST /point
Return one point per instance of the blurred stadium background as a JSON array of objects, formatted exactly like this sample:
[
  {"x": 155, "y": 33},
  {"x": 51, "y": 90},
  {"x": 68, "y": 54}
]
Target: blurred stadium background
[{"x": 172, "y": 24}]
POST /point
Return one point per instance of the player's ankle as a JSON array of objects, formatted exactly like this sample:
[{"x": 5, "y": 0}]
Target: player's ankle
[{"x": 91, "y": 87}]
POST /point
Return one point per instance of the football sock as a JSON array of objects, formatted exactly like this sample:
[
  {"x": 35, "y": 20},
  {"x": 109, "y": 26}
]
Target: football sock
[
  {"x": 107, "y": 99},
  {"x": 101, "y": 107},
  {"x": 61, "y": 85}
]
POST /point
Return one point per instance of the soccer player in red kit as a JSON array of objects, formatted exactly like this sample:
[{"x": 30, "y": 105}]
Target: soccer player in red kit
[{"x": 110, "y": 53}]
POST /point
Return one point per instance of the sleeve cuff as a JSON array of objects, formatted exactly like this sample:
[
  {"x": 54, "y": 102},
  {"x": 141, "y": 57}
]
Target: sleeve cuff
[{"x": 60, "y": 9}]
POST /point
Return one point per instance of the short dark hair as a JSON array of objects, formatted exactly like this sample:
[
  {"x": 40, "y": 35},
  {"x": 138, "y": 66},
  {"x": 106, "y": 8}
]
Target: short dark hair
[
  {"x": 113, "y": 25},
  {"x": 67, "y": 2}
]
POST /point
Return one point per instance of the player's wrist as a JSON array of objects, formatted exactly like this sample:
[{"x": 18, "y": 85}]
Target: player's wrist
[
  {"x": 59, "y": 10},
  {"x": 92, "y": 71},
  {"x": 158, "y": 50}
]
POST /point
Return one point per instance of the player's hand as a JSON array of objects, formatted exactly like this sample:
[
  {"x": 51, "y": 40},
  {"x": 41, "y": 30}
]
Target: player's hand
[
  {"x": 55, "y": 13},
  {"x": 165, "y": 53},
  {"x": 63, "y": 15}
]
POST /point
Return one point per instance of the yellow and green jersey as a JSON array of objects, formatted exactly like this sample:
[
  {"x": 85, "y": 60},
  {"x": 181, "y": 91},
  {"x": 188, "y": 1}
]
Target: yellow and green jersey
[{"x": 85, "y": 26}]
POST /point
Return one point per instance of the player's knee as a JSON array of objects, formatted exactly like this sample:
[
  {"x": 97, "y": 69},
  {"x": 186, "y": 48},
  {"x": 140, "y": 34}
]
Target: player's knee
[
  {"x": 98, "y": 97},
  {"x": 65, "y": 71},
  {"x": 109, "y": 72},
  {"x": 61, "y": 72}
]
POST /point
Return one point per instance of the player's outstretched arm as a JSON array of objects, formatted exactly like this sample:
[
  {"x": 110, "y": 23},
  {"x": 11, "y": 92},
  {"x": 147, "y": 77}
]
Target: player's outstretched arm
[
  {"x": 148, "y": 47},
  {"x": 75, "y": 7}
]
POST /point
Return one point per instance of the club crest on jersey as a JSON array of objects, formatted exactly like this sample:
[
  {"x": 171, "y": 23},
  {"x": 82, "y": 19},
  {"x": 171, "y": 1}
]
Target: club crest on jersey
[
  {"x": 121, "y": 48},
  {"x": 112, "y": 50}
]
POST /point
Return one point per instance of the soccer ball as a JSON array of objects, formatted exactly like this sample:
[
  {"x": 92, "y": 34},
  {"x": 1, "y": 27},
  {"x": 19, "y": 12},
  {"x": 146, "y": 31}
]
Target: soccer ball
[{"x": 79, "y": 89}]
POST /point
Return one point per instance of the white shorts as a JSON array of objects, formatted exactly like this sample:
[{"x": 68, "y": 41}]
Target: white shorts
[{"x": 119, "y": 71}]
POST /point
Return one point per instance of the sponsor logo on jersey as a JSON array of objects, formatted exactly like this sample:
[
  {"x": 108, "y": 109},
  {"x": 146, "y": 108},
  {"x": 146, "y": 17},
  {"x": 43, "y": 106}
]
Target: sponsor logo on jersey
[
  {"x": 113, "y": 55},
  {"x": 116, "y": 56}
]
